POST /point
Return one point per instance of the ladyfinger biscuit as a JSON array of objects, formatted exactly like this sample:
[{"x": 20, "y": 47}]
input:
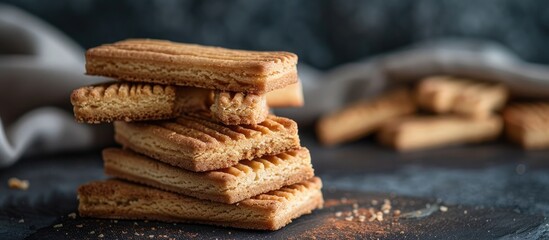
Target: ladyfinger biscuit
[
  {"x": 289, "y": 96},
  {"x": 115, "y": 199},
  {"x": 527, "y": 124},
  {"x": 109, "y": 102},
  {"x": 362, "y": 118},
  {"x": 443, "y": 94},
  {"x": 198, "y": 144},
  {"x": 239, "y": 108},
  {"x": 229, "y": 185},
  {"x": 432, "y": 131},
  {"x": 165, "y": 62}
]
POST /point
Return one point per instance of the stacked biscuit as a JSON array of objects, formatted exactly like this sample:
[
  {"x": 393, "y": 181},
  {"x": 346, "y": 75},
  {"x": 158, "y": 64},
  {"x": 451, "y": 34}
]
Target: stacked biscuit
[
  {"x": 453, "y": 111},
  {"x": 199, "y": 143}
]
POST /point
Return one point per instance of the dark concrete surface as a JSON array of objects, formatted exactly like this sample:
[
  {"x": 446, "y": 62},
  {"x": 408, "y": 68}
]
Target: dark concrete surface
[{"x": 492, "y": 191}]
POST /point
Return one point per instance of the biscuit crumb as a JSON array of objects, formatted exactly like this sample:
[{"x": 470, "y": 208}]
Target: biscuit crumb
[
  {"x": 338, "y": 214},
  {"x": 379, "y": 216},
  {"x": 151, "y": 236},
  {"x": 79, "y": 225},
  {"x": 92, "y": 232},
  {"x": 72, "y": 215},
  {"x": 396, "y": 213},
  {"x": 101, "y": 235},
  {"x": 350, "y": 218},
  {"x": 443, "y": 208},
  {"x": 58, "y": 225},
  {"x": 386, "y": 207},
  {"x": 21, "y": 220},
  {"x": 16, "y": 183},
  {"x": 374, "y": 202}
]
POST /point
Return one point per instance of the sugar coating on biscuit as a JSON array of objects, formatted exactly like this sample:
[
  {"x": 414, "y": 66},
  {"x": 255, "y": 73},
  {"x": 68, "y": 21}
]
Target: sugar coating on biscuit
[
  {"x": 229, "y": 185},
  {"x": 116, "y": 199},
  {"x": 164, "y": 62}
]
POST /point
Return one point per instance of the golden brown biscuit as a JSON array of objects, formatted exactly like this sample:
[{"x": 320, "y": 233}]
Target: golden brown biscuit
[
  {"x": 115, "y": 199},
  {"x": 115, "y": 101},
  {"x": 165, "y": 62},
  {"x": 528, "y": 124},
  {"x": 443, "y": 94},
  {"x": 239, "y": 108},
  {"x": 120, "y": 101},
  {"x": 290, "y": 96},
  {"x": 198, "y": 144},
  {"x": 362, "y": 118},
  {"x": 229, "y": 185},
  {"x": 432, "y": 131}
]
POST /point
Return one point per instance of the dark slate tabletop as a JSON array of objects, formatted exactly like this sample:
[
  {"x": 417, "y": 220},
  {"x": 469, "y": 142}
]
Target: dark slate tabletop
[{"x": 491, "y": 191}]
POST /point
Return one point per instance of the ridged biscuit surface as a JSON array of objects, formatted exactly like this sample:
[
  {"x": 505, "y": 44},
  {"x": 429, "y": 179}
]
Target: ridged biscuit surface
[
  {"x": 198, "y": 144},
  {"x": 116, "y": 199},
  {"x": 246, "y": 179}
]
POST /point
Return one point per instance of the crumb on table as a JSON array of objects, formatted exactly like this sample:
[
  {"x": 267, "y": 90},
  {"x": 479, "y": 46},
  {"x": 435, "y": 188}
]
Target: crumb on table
[{"x": 16, "y": 183}]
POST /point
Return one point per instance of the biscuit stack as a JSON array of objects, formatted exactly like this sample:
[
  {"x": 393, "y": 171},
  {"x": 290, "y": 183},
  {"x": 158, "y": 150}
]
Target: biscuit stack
[{"x": 199, "y": 143}]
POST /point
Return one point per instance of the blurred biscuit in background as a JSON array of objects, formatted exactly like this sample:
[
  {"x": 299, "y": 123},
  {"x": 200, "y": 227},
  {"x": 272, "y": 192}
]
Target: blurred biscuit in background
[
  {"x": 417, "y": 132},
  {"x": 362, "y": 118},
  {"x": 289, "y": 96},
  {"x": 527, "y": 124},
  {"x": 445, "y": 94}
]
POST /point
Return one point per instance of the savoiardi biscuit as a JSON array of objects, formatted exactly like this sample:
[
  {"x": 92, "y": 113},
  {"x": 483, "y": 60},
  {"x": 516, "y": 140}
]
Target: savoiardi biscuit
[
  {"x": 527, "y": 124},
  {"x": 418, "y": 132},
  {"x": 165, "y": 62},
  {"x": 199, "y": 144},
  {"x": 116, "y": 199},
  {"x": 444, "y": 94},
  {"x": 246, "y": 179},
  {"x": 364, "y": 117}
]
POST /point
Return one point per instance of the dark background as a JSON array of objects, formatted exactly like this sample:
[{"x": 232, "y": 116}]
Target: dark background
[{"x": 324, "y": 33}]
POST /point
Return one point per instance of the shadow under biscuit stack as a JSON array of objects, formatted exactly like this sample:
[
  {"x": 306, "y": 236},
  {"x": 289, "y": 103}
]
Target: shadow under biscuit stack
[{"x": 198, "y": 142}]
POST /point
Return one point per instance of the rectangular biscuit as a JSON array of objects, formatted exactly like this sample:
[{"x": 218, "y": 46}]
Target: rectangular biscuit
[
  {"x": 527, "y": 124},
  {"x": 444, "y": 94},
  {"x": 115, "y": 199},
  {"x": 164, "y": 62},
  {"x": 229, "y": 185},
  {"x": 199, "y": 144},
  {"x": 432, "y": 131},
  {"x": 117, "y": 101},
  {"x": 289, "y": 96},
  {"x": 362, "y": 118}
]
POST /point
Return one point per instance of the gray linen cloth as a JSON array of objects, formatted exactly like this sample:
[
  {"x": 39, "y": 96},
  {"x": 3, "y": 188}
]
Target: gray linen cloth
[{"x": 39, "y": 67}]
